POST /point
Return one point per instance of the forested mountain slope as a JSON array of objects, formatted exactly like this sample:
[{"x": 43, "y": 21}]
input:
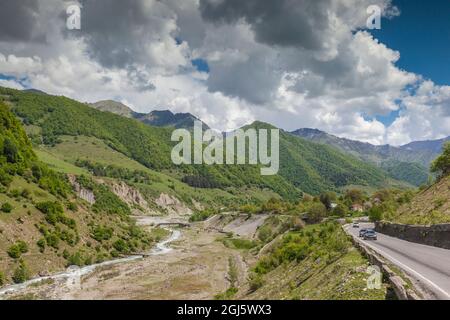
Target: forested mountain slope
[
  {"x": 408, "y": 163},
  {"x": 304, "y": 165},
  {"x": 44, "y": 226}
]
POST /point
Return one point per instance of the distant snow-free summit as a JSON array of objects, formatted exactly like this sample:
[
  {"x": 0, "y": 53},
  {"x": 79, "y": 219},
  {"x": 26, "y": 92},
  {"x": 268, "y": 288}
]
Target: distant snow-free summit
[{"x": 158, "y": 118}]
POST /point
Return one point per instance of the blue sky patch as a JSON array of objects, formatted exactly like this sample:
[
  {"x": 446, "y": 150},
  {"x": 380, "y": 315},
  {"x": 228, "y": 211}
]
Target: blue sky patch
[{"x": 201, "y": 65}]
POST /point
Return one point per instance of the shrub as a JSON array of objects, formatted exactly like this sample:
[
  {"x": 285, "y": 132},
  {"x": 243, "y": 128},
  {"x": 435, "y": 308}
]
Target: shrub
[
  {"x": 121, "y": 246},
  {"x": 375, "y": 214},
  {"x": 23, "y": 247},
  {"x": 72, "y": 206},
  {"x": 264, "y": 233},
  {"x": 102, "y": 233},
  {"x": 340, "y": 210},
  {"x": 327, "y": 199},
  {"x": 21, "y": 274},
  {"x": 41, "y": 243},
  {"x": 255, "y": 281},
  {"x": 202, "y": 215},
  {"x": 249, "y": 208},
  {"x": 6, "y": 207},
  {"x": 54, "y": 213},
  {"x": 442, "y": 163},
  {"x": 2, "y": 278},
  {"x": 10, "y": 151},
  {"x": 200, "y": 182},
  {"x": 317, "y": 212},
  {"x": 5, "y": 178},
  {"x": 52, "y": 240},
  {"x": 16, "y": 250},
  {"x": 76, "y": 259}
]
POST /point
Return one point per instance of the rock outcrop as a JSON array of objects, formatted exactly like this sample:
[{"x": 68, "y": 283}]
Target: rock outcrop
[{"x": 82, "y": 193}]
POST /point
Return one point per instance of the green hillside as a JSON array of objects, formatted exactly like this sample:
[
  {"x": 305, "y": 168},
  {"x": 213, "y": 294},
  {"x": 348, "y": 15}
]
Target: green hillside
[
  {"x": 44, "y": 227},
  {"x": 432, "y": 204},
  {"x": 314, "y": 167},
  {"x": 413, "y": 173},
  {"x": 318, "y": 263},
  {"x": 403, "y": 163},
  {"x": 304, "y": 166}
]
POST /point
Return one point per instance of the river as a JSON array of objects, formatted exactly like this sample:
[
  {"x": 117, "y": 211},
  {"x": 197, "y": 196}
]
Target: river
[{"x": 73, "y": 274}]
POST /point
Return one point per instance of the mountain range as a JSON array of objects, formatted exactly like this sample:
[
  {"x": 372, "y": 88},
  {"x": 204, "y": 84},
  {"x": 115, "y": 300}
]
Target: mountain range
[
  {"x": 159, "y": 118},
  {"x": 305, "y": 166},
  {"x": 408, "y": 163}
]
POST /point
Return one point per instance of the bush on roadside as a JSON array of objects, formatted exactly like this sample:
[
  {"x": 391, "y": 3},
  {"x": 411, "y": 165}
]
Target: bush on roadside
[{"x": 375, "y": 214}]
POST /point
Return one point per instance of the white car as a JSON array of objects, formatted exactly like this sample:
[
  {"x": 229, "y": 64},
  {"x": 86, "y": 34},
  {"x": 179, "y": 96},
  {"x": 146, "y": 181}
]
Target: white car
[{"x": 355, "y": 225}]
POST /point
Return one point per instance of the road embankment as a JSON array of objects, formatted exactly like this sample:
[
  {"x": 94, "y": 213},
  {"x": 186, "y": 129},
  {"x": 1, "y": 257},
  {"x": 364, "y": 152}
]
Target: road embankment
[
  {"x": 398, "y": 284},
  {"x": 437, "y": 235}
]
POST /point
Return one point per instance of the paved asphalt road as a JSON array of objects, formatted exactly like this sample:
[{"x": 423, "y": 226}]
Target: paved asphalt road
[{"x": 429, "y": 265}]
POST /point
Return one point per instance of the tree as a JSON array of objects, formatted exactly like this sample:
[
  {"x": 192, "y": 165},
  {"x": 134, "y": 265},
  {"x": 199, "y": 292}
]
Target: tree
[
  {"x": 340, "y": 210},
  {"x": 354, "y": 195},
  {"x": 327, "y": 199},
  {"x": 442, "y": 163},
  {"x": 375, "y": 214},
  {"x": 10, "y": 151},
  {"x": 317, "y": 212}
]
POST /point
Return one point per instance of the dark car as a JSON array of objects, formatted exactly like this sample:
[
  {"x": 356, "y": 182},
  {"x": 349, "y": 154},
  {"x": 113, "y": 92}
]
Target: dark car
[
  {"x": 370, "y": 235},
  {"x": 362, "y": 231}
]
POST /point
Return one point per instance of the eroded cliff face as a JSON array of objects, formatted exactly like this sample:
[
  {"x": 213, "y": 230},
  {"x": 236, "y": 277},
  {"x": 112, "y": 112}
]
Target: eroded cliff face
[
  {"x": 82, "y": 193},
  {"x": 164, "y": 204},
  {"x": 139, "y": 205},
  {"x": 172, "y": 205},
  {"x": 132, "y": 197}
]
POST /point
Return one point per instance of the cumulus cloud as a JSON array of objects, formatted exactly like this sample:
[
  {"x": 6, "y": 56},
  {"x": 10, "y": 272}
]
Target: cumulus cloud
[
  {"x": 11, "y": 84},
  {"x": 19, "y": 21},
  {"x": 426, "y": 115},
  {"x": 293, "y": 63}
]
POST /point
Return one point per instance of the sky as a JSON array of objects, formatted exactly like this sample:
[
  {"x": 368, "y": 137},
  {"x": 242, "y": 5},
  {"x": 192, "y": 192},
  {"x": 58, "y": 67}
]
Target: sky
[{"x": 292, "y": 63}]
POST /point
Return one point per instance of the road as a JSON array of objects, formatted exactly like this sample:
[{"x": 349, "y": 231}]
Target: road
[{"x": 429, "y": 265}]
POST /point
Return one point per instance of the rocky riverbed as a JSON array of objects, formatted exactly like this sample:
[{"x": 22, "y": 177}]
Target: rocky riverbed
[{"x": 190, "y": 264}]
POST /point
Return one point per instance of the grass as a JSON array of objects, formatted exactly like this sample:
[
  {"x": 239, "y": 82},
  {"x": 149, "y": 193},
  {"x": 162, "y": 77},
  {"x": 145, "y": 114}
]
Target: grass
[
  {"x": 317, "y": 263},
  {"x": 241, "y": 244},
  {"x": 88, "y": 148},
  {"x": 233, "y": 279},
  {"x": 157, "y": 234},
  {"x": 57, "y": 164},
  {"x": 23, "y": 223},
  {"x": 344, "y": 279},
  {"x": 62, "y": 157},
  {"x": 427, "y": 207}
]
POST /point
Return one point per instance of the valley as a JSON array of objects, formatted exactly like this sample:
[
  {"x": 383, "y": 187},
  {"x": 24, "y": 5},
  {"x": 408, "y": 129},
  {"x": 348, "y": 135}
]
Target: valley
[{"x": 93, "y": 208}]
